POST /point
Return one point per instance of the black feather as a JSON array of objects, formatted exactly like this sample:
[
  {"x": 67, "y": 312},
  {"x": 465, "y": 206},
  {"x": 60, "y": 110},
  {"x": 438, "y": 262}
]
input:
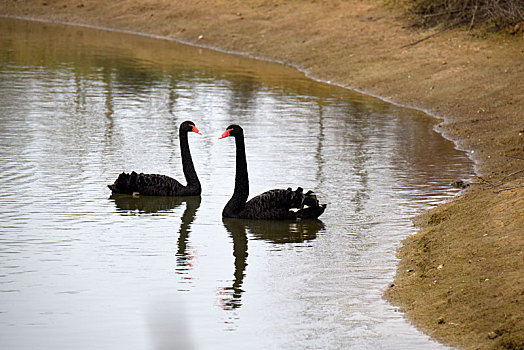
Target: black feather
[
  {"x": 162, "y": 185},
  {"x": 277, "y": 204}
]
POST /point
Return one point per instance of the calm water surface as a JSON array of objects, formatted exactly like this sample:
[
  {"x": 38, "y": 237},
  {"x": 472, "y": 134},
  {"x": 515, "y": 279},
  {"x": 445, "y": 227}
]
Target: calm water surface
[{"x": 80, "y": 269}]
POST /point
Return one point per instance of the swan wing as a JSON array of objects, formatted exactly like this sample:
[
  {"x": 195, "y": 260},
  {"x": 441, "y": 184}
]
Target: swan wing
[
  {"x": 274, "y": 204},
  {"x": 146, "y": 184}
]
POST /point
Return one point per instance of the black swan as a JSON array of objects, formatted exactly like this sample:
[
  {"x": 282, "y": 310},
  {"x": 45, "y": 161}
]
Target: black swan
[
  {"x": 162, "y": 185},
  {"x": 275, "y": 204}
]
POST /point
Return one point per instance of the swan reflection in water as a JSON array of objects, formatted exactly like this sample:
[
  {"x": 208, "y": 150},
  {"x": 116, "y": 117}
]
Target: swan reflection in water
[
  {"x": 132, "y": 205},
  {"x": 272, "y": 231},
  {"x": 183, "y": 257},
  {"x": 127, "y": 204}
]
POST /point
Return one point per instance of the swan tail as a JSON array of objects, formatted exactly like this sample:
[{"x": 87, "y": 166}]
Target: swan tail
[
  {"x": 311, "y": 212},
  {"x": 125, "y": 183},
  {"x": 310, "y": 208}
]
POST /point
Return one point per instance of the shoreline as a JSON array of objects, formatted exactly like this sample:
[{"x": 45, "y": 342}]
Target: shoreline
[
  {"x": 439, "y": 118},
  {"x": 460, "y": 278}
]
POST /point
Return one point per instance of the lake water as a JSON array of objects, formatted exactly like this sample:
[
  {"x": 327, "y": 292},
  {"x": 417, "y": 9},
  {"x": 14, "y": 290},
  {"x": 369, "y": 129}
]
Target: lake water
[{"x": 81, "y": 269}]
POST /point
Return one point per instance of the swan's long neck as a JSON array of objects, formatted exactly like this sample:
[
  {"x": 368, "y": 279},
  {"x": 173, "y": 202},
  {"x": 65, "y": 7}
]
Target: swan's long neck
[
  {"x": 241, "y": 178},
  {"x": 187, "y": 162},
  {"x": 238, "y": 201}
]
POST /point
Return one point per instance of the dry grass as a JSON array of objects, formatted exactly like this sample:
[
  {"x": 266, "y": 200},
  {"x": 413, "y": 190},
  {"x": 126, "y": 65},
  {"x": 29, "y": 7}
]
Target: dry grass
[{"x": 495, "y": 14}]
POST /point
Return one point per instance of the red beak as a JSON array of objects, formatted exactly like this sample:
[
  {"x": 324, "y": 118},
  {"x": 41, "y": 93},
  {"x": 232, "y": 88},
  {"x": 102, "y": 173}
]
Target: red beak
[
  {"x": 196, "y": 130},
  {"x": 225, "y": 134}
]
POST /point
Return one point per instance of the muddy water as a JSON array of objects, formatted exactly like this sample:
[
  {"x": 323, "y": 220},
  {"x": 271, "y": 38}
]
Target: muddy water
[{"x": 82, "y": 269}]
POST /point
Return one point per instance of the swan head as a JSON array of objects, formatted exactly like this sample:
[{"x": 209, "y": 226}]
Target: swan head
[
  {"x": 189, "y": 126},
  {"x": 232, "y": 130}
]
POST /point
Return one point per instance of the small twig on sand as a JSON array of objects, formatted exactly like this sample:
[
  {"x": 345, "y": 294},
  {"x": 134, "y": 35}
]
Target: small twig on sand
[
  {"x": 486, "y": 181},
  {"x": 508, "y": 188},
  {"x": 515, "y": 157},
  {"x": 450, "y": 26},
  {"x": 504, "y": 178},
  {"x": 424, "y": 39},
  {"x": 513, "y": 173}
]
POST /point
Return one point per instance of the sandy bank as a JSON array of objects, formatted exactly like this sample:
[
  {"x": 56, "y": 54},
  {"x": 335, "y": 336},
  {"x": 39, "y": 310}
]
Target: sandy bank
[{"x": 461, "y": 278}]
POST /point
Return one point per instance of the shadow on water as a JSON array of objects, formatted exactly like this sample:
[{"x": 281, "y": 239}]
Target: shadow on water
[
  {"x": 127, "y": 204},
  {"x": 284, "y": 231},
  {"x": 273, "y": 231}
]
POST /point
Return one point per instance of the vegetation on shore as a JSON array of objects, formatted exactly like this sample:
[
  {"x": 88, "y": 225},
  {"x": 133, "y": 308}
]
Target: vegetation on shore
[{"x": 495, "y": 14}]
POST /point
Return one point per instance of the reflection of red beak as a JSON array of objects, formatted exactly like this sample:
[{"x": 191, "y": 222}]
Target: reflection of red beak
[
  {"x": 196, "y": 130},
  {"x": 225, "y": 134}
]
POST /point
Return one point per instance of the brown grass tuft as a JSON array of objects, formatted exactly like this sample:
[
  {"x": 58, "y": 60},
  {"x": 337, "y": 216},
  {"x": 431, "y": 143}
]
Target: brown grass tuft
[{"x": 495, "y": 14}]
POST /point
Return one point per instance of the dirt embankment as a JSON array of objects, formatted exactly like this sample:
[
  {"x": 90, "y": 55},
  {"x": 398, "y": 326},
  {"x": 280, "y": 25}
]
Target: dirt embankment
[{"x": 461, "y": 278}]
